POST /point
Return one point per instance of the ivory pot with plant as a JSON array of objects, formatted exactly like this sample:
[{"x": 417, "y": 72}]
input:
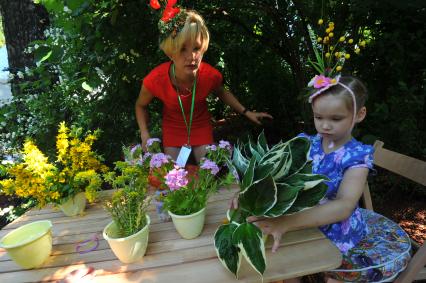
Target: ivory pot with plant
[
  {"x": 273, "y": 182},
  {"x": 127, "y": 233}
]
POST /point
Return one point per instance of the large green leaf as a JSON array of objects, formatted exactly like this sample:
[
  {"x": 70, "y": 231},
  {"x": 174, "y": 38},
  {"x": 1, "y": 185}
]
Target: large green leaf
[
  {"x": 248, "y": 238},
  {"x": 286, "y": 196},
  {"x": 228, "y": 253},
  {"x": 299, "y": 149},
  {"x": 248, "y": 175},
  {"x": 237, "y": 216},
  {"x": 262, "y": 170},
  {"x": 240, "y": 162},
  {"x": 306, "y": 180},
  {"x": 283, "y": 166},
  {"x": 259, "y": 197},
  {"x": 261, "y": 142},
  {"x": 253, "y": 149},
  {"x": 308, "y": 198}
]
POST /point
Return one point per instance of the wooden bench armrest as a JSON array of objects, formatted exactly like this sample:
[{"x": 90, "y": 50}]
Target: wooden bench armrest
[{"x": 416, "y": 264}]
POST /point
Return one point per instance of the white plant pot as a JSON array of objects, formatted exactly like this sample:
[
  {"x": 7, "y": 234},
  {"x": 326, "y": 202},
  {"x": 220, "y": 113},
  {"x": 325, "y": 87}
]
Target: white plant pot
[
  {"x": 128, "y": 249},
  {"x": 189, "y": 226},
  {"x": 29, "y": 245},
  {"x": 74, "y": 205}
]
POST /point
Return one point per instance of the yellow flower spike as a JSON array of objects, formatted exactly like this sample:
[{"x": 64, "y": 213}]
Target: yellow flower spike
[
  {"x": 351, "y": 41},
  {"x": 362, "y": 43},
  {"x": 331, "y": 34},
  {"x": 331, "y": 48},
  {"x": 333, "y": 81},
  {"x": 331, "y": 28},
  {"x": 347, "y": 56},
  {"x": 337, "y": 54},
  {"x": 320, "y": 21},
  {"x": 327, "y": 55},
  {"x": 357, "y": 50},
  {"x": 338, "y": 68},
  {"x": 331, "y": 24},
  {"x": 342, "y": 38},
  {"x": 319, "y": 39},
  {"x": 327, "y": 30}
]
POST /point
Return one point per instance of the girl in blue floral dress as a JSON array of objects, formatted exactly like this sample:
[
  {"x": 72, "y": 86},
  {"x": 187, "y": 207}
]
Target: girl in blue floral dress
[{"x": 374, "y": 248}]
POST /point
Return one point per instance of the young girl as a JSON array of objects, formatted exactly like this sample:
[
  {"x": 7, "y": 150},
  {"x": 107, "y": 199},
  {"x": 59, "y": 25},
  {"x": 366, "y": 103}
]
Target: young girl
[
  {"x": 374, "y": 248},
  {"x": 183, "y": 85}
]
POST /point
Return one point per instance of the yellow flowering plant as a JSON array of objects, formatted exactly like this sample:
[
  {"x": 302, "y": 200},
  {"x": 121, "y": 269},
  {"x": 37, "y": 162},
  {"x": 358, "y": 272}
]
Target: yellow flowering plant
[
  {"x": 332, "y": 51},
  {"x": 77, "y": 169}
]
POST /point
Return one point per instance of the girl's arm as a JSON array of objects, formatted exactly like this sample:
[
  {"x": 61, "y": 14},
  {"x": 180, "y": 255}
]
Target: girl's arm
[
  {"x": 228, "y": 98},
  {"x": 349, "y": 193},
  {"x": 142, "y": 116}
]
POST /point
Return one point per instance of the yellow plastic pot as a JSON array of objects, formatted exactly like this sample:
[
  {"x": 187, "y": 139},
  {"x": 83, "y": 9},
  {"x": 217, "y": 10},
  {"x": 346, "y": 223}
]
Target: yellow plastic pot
[
  {"x": 131, "y": 248},
  {"x": 189, "y": 226},
  {"x": 29, "y": 245},
  {"x": 74, "y": 205}
]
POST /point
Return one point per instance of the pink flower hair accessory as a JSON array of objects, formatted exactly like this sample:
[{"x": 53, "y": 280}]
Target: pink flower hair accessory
[{"x": 322, "y": 83}]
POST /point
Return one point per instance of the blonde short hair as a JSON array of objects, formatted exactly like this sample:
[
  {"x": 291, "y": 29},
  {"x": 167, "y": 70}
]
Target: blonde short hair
[{"x": 194, "y": 26}]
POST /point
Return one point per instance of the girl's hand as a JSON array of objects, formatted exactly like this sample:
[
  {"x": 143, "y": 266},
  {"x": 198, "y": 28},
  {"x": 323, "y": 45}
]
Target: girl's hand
[
  {"x": 273, "y": 226},
  {"x": 257, "y": 117}
]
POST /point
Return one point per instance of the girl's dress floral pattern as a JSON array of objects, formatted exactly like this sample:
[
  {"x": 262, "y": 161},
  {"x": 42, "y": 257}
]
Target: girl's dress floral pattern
[{"x": 374, "y": 248}]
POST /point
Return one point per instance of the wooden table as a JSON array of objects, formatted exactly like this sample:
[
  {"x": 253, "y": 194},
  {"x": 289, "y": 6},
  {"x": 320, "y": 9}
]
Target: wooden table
[{"x": 169, "y": 258}]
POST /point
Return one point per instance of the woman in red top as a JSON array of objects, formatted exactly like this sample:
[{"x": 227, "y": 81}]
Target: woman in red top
[{"x": 183, "y": 85}]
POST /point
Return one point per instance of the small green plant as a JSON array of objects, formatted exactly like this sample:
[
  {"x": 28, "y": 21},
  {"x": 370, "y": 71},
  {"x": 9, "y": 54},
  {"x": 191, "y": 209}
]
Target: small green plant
[
  {"x": 273, "y": 182},
  {"x": 128, "y": 206}
]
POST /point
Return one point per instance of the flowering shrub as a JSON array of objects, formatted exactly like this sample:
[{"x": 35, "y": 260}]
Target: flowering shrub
[{"x": 77, "y": 169}]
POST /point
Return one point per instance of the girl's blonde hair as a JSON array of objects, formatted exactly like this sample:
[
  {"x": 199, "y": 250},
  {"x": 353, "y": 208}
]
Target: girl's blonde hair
[
  {"x": 194, "y": 26},
  {"x": 356, "y": 86}
]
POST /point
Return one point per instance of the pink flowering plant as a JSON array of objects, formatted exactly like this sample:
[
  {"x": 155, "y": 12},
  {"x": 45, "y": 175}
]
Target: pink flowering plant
[{"x": 188, "y": 192}]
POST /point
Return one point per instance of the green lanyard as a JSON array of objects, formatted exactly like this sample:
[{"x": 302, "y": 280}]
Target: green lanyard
[{"x": 194, "y": 86}]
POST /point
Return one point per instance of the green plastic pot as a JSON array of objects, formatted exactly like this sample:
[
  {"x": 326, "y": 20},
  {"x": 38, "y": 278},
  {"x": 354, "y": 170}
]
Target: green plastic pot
[
  {"x": 189, "y": 226},
  {"x": 29, "y": 245}
]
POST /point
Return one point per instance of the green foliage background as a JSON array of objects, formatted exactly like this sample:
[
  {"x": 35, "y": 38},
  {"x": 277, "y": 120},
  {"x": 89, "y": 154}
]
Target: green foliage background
[{"x": 96, "y": 53}]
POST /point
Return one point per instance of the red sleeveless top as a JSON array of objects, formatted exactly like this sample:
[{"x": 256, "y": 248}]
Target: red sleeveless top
[{"x": 158, "y": 83}]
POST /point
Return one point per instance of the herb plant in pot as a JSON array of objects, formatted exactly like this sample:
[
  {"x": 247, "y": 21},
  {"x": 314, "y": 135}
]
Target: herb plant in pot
[
  {"x": 273, "y": 182},
  {"x": 127, "y": 233}
]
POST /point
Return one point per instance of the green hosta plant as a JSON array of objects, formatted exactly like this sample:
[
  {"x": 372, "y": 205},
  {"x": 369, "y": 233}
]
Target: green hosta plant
[{"x": 273, "y": 182}]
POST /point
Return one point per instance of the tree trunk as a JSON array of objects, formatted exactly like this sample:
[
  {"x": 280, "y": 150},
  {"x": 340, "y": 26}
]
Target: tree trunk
[{"x": 23, "y": 22}]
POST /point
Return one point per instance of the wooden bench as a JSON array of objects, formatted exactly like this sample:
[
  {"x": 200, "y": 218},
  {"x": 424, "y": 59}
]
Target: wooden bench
[{"x": 414, "y": 170}]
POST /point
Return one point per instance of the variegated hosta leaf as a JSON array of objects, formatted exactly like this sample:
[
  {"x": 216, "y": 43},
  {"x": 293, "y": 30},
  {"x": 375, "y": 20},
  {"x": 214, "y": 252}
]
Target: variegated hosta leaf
[
  {"x": 282, "y": 166},
  {"x": 299, "y": 149},
  {"x": 262, "y": 170},
  {"x": 306, "y": 180},
  {"x": 237, "y": 216},
  {"x": 286, "y": 196},
  {"x": 308, "y": 198},
  {"x": 228, "y": 253},
  {"x": 248, "y": 238},
  {"x": 258, "y": 198},
  {"x": 274, "y": 154},
  {"x": 240, "y": 162},
  {"x": 248, "y": 175},
  {"x": 261, "y": 142},
  {"x": 254, "y": 151}
]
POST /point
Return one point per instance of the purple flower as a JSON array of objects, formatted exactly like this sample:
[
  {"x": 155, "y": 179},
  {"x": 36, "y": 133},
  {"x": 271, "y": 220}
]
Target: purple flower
[
  {"x": 176, "y": 178},
  {"x": 158, "y": 160},
  {"x": 224, "y": 144},
  {"x": 210, "y": 165},
  {"x": 134, "y": 148},
  {"x": 150, "y": 141},
  {"x": 211, "y": 147}
]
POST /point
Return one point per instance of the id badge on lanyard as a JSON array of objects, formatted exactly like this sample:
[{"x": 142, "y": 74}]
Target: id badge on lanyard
[{"x": 183, "y": 156}]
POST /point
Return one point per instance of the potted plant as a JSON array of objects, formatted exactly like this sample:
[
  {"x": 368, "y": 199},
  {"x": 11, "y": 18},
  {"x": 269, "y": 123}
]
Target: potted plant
[
  {"x": 75, "y": 175},
  {"x": 273, "y": 181},
  {"x": 127, "y": 233},
  {"x": 187, "y": 193}
]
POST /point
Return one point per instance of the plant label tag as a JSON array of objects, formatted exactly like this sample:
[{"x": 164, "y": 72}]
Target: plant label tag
[{"x": 183, "y": 156}]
